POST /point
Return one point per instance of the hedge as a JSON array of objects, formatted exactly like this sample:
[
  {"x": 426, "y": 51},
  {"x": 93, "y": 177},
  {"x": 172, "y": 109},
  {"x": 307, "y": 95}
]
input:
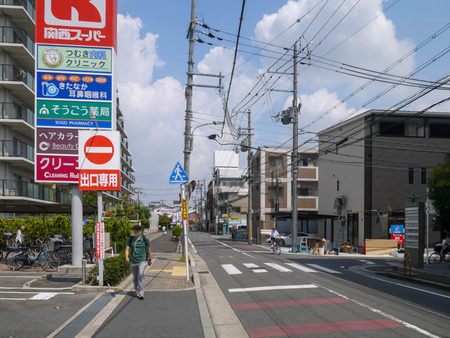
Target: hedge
[
  {"x": 116, "y": 270},
  {"x": 119, "y": 229}
]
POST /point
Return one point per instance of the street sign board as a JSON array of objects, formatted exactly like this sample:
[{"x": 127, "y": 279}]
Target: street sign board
[
  {"x": 57, "y": 141},
  {"x": 397, "y": 229},
  {"x": 412, "y": 227},
  {"x": 61, "y": 169},
  {"x": 99, "y": 158},
  {"x": 77, "y": 22},
  {"x": 73, "y": 86},
  {"x": 74, "y": 59},
  {"x": 178, "y": 176},
  {"x": 185, "y": 209},
  {"x": 100, "y": 240},
  {"x": 400, "y": 238}
]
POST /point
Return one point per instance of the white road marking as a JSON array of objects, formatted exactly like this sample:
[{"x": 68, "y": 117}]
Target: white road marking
[
  {"x": 278, "y": 267},
  {"x": 230, "y": 247},
  {"x": 367, "y": 262},
  {"x": 251, "y": 265},
  {"x": 231, "y": 269},
  {"x": 301, "y": 267},
  {"x": 15, "y": 299},
  {"x": 34, "y": 292},
  {"x": 318, "y": 267},
  {"x": 274, "y": 288},
  {"x": 43, "y": 296},
  {"x": 384, "y": 314},
  {"x": 192, "y": 245},
  {"x": 259, "y": 270}
]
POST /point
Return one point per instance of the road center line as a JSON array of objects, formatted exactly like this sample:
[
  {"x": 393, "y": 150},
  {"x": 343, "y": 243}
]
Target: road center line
[
  {"x": 381, "y": 313},
  {"x": 274, "y": 288}
]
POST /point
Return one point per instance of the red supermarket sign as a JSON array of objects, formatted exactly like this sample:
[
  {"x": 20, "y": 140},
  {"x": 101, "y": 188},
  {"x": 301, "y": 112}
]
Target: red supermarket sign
[
  {"x": 100, "y": 240},
  {"x": 77, "y": 22},
  {"x": 398, "y": 237}
]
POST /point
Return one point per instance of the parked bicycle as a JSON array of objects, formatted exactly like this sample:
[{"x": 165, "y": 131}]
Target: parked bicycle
[
  {"x": 17, "y": 258},
  {"x": 275, "y": 246},
  {"x": 438, "y": 255}
]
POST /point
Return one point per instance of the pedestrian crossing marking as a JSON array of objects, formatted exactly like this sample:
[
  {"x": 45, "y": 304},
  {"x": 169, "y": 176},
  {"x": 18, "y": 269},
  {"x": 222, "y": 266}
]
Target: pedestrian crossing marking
[
  {"x": 259, "y": 270},
  {"x": 43, "y": 296},
  {"x": 251, "y": 265},
  {"x": 301, "y": 267},
  {"x": 274, "y": 288},
  {"x": 231, "y": 269},
  {"x": 324, "y": 268},
  {"x": 367, "y": 262},
  {"x": 278, "y": 267}
]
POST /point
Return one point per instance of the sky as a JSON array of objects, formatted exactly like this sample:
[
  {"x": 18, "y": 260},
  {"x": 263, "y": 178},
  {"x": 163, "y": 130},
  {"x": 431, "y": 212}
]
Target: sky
[{"x": 371, "y": 34}]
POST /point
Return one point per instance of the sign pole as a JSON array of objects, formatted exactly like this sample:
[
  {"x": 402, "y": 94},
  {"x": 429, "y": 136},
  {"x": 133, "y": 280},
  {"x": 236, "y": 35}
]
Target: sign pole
[
  {"x": 77, "y": 226},
  {"x": 185, "y": 229},
  {"x": 427, "y": 215},
  {"x": 102, "y": 234}
]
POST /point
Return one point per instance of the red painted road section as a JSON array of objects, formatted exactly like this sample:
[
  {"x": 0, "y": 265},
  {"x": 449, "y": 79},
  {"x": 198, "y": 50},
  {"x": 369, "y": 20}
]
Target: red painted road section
[
  {"x": 246, "y": 306},
  {"x": 322, "y": 327}
]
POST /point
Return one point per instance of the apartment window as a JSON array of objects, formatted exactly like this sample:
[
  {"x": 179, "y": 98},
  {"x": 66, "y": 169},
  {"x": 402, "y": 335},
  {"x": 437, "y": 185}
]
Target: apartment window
[
  {"x": 423, "y": 176},
  {"x": 303, "y": 191},
  {"x": 305, "y": 162},
  {"x": 337, "y": 185},
  {"x": 237, "y": 209},
  {"x": 439, "y": 130},
  {"x": 276, "y": 192},
  {"x": 411, "y": 176},
  {"x": 392, "y": 128},
  {"x": 276, "y": 162}
]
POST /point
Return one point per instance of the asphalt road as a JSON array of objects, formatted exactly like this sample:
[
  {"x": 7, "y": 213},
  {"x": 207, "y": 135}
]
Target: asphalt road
[{"x": 289, "y": 296}]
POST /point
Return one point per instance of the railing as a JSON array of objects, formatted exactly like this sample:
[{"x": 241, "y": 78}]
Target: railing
[
  {"x": 16, "y": 73},
  {"x": 10, "y": 148},
  {"x": 24, "y": 3},
  {"x": 16, "y": 35},
  {"x": 121, "y": 123},
  {"x": 125, "y": 142},
  {"x": 15, "y": 111},
  {"x": 18, "y": 188}
]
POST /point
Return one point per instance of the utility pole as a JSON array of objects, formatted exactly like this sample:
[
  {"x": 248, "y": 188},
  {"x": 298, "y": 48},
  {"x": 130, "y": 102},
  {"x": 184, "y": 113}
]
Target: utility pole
[
  {"x": 249, "y": 168},
  {"x": 294, "y": 159}
]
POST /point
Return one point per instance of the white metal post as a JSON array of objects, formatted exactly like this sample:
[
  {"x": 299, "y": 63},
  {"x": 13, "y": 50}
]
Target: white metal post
[
  {"x": 77, "y": 226},
  {"x": 100, "y": 220},
  {"x": 185, "y": 230},
  {"x": 427, "y": 215}
]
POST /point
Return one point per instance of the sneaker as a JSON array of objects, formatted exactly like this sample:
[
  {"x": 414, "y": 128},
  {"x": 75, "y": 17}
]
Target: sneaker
[{"x": 141, "y": 297}]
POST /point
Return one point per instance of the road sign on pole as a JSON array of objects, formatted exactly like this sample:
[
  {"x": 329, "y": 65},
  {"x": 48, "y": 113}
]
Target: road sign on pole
[{"x": 178, "y": 176}]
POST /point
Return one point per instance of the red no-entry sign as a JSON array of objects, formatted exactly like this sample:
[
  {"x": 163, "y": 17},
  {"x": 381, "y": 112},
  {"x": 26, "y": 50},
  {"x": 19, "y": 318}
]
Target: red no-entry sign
[{"x": 99, "y": 149}]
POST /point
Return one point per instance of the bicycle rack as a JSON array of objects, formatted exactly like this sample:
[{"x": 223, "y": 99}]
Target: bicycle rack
[{"x": 407, "y": 254}]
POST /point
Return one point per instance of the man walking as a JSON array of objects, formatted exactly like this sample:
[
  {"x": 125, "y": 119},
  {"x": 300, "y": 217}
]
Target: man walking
[{"x": 138, "y": 253}]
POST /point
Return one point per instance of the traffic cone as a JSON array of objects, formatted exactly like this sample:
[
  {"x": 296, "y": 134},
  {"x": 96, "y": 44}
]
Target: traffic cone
[{"x": 364, "y": 248}]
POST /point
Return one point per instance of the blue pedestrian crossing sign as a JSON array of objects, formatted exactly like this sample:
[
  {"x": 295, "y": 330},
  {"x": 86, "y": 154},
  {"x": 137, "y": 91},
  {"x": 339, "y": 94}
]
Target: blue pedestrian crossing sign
[{"x": 178, "y": 176}]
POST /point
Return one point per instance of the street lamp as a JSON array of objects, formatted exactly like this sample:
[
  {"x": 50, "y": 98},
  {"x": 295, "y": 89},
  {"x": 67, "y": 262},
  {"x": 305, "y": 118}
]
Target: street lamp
[{"x": 213, "y": 123}]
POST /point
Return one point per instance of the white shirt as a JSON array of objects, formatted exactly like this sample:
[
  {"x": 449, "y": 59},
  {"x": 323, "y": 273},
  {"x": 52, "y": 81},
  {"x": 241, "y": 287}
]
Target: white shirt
[
  {"x": 19, "y": 236},
  {"x": 274, "y": 234}
]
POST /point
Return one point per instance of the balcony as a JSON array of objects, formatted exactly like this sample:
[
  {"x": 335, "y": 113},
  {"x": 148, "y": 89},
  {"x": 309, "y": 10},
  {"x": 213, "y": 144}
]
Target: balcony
[
  {"x": 128, "y": 162},
  {"x": 308, "y": 174},
  {"x": 126, "y": 174},
  {"x": 21, "y": 12},
  {"x": 19, "y": 82},
  {"x": 124, "y": 143},
  {"x": 308, "y": 203},
  {"x": 17, "y": 153},
  {"x": 20, "y": 190},
  {"x": 121, "y": 127},
  {"x": 17, "y": 117},
  {"x": 18, "y": 44}
]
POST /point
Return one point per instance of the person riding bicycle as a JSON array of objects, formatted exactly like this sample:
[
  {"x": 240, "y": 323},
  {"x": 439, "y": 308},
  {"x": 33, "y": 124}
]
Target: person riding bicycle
[
  {"x": 274, "y": 235},
  {"x": 446, "y": 244}
]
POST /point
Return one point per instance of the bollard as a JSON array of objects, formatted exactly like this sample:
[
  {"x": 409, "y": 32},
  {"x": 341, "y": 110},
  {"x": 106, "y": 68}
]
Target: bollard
[
  {"x": 407, "y": 254},
  {"x": 83, "y": 271}
]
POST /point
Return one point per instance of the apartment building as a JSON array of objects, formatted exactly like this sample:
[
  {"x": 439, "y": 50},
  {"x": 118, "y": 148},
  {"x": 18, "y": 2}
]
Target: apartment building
[
  {"x": 372, "y": 164},
  {"x": 271, "y": 191},
  {"x": 17, "y": 92}
]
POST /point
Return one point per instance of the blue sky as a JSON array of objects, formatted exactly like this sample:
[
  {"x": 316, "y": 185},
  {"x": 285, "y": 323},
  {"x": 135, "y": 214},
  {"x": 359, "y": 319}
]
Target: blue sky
[{"x": 160, "y": 38}]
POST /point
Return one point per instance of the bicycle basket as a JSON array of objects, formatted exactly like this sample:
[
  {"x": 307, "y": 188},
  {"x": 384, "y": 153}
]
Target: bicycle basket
[
  {"x": 438, "y": 247},
  {"x": 49, "y": 246}
]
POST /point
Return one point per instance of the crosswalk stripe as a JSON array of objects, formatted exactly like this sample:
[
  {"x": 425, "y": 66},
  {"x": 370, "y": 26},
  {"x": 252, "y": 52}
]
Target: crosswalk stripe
[
  {"x": 367, "y": 262},
  {"x": 231, "y": 269},
  {"x": 278, "y": 267},
  {"x": 43, "y": 296},
  {"x": 301, "y": 267},
  {"x": 274, "y": 288},
  {"x": 251, "y": 265},
  {"x": 323, "y": 268},
  {"x": 259, "y": 270}
]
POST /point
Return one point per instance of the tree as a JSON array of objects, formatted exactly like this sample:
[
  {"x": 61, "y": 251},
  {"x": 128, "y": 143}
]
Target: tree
[
  {"x": 439, "y": 191},
  {"x": 164, "y": 220}
]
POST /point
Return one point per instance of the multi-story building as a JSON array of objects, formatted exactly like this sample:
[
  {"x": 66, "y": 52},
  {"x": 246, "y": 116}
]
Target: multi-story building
[
  {"x": 271, "y": 191},
  {"x": 228, "y": 187},
  {"x": 370, "y": 165},
  {"x": 17, "y": 62}
]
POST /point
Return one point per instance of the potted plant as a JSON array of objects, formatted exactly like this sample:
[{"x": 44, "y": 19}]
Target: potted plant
[{"x": 176, "y": 232}]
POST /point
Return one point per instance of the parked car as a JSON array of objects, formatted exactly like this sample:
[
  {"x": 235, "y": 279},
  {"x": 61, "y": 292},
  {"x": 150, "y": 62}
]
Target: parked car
[{"x": 286, "y": 240}]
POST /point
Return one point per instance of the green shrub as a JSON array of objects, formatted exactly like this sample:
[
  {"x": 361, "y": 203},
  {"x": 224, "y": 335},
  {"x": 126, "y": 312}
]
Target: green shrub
[
  {"x": 177, "y": 231},
  {"x": 116, "y": 269}
]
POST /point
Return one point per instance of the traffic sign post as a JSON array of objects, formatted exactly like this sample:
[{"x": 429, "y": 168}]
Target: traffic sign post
[{"x": 179, "y": 176}]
